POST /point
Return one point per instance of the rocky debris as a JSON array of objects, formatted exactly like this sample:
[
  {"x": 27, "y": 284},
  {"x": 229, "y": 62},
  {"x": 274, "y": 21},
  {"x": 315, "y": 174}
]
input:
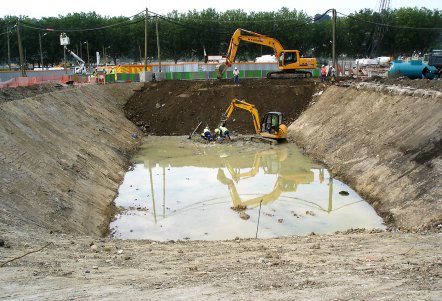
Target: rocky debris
[
  {"x": 244, "y": 215},
  {"x": 239, "y": 207}
]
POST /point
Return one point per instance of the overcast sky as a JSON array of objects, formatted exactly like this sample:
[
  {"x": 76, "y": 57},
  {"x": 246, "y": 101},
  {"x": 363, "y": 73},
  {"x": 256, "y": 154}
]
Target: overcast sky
[{"x": 52, "y": 8}]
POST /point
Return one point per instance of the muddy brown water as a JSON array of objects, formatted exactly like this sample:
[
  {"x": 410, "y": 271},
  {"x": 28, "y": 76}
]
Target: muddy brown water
[{"x": 180, "y": 190}]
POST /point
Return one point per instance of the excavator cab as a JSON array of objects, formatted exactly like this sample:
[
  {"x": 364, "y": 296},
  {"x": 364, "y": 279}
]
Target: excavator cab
[
  {"x": 287, "y": 58},
  {"x": 270, "y": 122}
]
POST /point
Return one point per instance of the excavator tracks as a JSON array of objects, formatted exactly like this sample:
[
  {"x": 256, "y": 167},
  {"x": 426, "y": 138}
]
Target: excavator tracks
[
  {"x": 260, "y": 139},
  {"x": 288, "y": 75}
]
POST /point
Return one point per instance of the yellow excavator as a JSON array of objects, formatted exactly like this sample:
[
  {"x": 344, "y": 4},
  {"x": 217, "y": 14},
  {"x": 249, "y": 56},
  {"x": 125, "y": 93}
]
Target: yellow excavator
[
  {"x": 270, "y": 128},
  {"x": 290, "y": 63}
]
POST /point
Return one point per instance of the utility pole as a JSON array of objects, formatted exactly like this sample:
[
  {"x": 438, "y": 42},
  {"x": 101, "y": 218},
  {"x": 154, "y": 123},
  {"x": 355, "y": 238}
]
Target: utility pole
[
  {"x": 64, "y": 60},
  {"x": 158, "y": 45},
  {"x": 87, "y": 52},
  {"x": 334, "y": 39},
  {"x": 20, "y": 51},
  {"x": 64, "y": 41},
  {"x": 41, "y": 50},
  {"x": 145, "y": 42},
  {"x": 9, "y": 48}
]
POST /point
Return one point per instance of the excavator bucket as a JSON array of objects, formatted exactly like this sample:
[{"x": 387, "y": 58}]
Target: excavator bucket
[{"x": 220, "y": 69}]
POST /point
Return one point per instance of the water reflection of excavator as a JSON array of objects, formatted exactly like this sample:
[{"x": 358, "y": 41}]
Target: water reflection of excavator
[
  {"x": 270, "y": 126},
  {"x": 270, "y": 161}
]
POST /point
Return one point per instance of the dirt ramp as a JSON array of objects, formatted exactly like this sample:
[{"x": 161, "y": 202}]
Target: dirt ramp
[
  {"x": 384, "y": 141},
  {"x": 62, "y": 156},
  {"x": 175, "y": 107}
]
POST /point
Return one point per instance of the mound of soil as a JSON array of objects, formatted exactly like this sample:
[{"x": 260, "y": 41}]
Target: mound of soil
[
  {"x": 9, "y": 94},
  {"x": 176, "y": 107},
  {"x": 406, "y": 82}
]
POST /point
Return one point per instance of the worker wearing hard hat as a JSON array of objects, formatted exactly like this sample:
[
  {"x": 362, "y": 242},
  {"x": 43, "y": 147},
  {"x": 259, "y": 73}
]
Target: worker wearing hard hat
[
  {"x": 206, "y": 134},
  {"x": 236, "y": 76},
  {"x": 222, "y": 133}
]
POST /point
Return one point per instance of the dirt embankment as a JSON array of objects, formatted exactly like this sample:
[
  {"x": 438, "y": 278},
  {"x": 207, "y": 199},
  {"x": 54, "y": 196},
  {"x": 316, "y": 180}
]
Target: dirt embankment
[
  {"x": 385, "y": 141},
  {"x": 176, "y": 107},
  {"x": 62, "y": 157}
]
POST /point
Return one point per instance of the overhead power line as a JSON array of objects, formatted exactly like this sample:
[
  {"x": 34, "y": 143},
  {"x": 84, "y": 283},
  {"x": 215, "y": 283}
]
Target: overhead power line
[
  {"x": 389, "y": 25},
  {"x": 49, "y": 28},
  {"x": 8, "y": 31},
  {"x": 191, "y": 26},
  {"x": 132, "y": 20}
]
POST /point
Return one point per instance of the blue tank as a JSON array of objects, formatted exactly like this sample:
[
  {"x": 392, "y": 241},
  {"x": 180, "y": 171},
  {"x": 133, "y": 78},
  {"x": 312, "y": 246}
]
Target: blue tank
[{"x": 412, "y": 69}]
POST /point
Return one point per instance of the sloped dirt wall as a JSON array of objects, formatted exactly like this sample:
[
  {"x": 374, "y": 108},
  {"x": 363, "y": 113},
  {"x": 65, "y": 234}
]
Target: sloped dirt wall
[
  {"x": 62, "y": 156},
  {"x": 385, "y": 141}
]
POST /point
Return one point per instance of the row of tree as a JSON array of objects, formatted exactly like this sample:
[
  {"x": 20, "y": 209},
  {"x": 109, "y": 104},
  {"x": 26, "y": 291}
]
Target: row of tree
[{"x": 183, "y": 36}]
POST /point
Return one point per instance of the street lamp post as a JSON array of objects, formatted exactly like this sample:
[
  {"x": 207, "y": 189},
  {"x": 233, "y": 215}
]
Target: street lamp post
[{"x": 41, "y": 49}]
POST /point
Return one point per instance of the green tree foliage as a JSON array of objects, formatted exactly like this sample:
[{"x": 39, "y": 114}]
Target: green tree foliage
[{"x": 184, "y": 36}]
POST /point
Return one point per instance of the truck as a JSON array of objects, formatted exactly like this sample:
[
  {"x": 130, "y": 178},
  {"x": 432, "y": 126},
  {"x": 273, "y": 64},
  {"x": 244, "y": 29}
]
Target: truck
[
  {"x": 435, "y": 58},
  {"x": 290, "y": 63}
]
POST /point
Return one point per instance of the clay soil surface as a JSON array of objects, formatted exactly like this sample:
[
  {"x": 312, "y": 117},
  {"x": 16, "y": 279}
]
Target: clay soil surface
[
  {"x": 348, "y": 266},
  {"x": 176, "y": 107},
  {"x": 57, "y": 262}
]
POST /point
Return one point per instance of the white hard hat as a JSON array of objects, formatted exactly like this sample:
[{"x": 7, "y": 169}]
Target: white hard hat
[
  {"x": 236, "y": 68},
  {"x": 323, "y": 66}
]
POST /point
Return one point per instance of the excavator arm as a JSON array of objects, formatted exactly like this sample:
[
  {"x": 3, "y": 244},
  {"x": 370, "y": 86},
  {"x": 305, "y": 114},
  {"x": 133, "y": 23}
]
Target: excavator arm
[
  {"x": 289, "y": 61},
  {"x": 253, "y": 37},
  {"x": 241, "y": 104}
]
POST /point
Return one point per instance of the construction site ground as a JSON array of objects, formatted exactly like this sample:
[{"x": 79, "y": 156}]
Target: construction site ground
[{"x": 64, "y": 153}]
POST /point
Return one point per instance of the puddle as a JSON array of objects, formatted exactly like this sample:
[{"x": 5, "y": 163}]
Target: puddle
[{"x": 179, "y": 191}]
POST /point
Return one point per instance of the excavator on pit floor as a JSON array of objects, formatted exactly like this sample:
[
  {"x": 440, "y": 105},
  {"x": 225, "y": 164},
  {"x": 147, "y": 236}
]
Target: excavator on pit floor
[
  {"x": 270, "y": 128},
  {"x": 290, "y": 63}
]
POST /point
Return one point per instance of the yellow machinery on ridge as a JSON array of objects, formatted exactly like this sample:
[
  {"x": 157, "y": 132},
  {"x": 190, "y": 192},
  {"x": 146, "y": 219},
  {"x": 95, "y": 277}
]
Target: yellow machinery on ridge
[
  {"x": 290, "y": 63},
  {"x": 270, "y": 126}
]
